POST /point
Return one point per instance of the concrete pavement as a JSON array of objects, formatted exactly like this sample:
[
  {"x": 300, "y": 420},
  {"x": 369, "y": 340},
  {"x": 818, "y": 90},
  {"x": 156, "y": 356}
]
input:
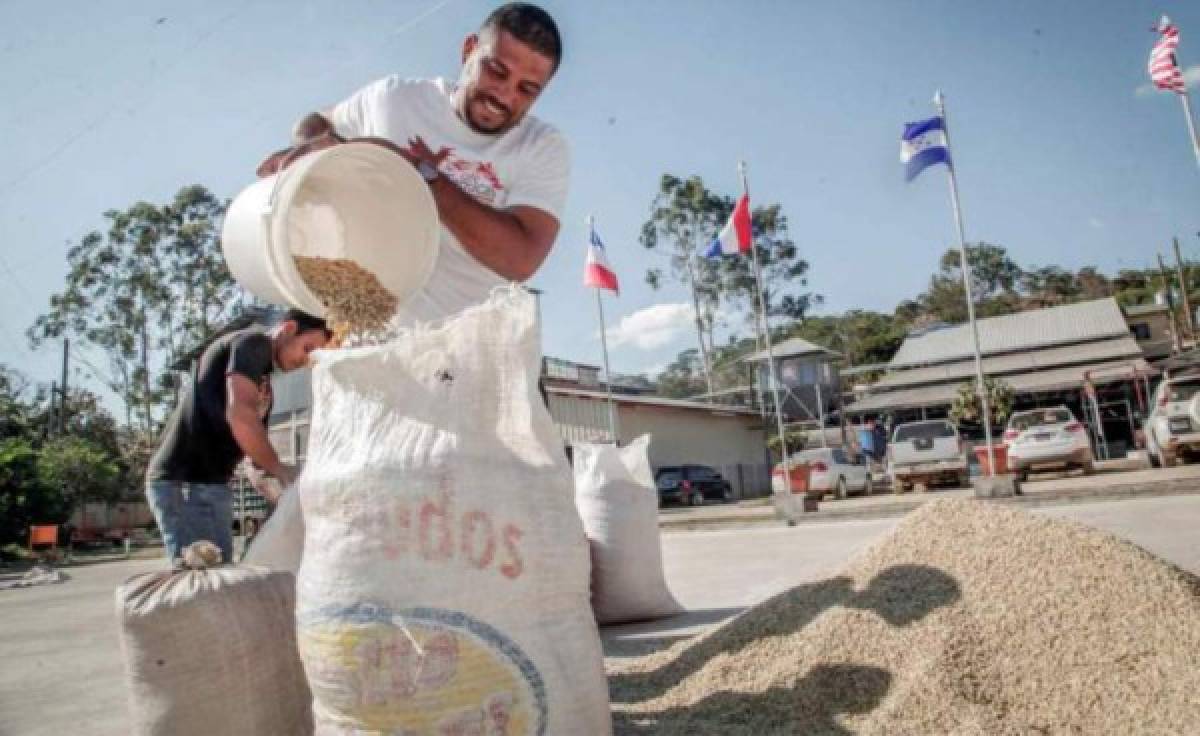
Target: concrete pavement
[
  {"x": 61, "y": 668},
  {"x": 1050, "y": 488}
]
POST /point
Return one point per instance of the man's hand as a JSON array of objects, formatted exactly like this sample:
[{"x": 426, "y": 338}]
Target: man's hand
[
  {"x": 286, "y": 474},
  {"x": 417, "y": 151},
  {"x": 283, "y": 158}
]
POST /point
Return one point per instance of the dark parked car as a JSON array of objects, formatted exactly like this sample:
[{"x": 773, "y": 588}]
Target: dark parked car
[{"x": 691, "y": 484}]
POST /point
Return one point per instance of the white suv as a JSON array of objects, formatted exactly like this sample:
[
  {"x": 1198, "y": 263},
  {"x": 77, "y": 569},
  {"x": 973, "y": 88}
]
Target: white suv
[
  {"x": 1047, "y": 437},
  {"x": 1173, "y": 427}
]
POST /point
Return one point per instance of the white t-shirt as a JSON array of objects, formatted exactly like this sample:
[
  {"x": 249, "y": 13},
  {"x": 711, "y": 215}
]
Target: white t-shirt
[{"x": 527, "y": 165}]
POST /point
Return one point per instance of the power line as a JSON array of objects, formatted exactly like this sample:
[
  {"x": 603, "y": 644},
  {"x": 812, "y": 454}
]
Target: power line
[{"x": 103, "y": 117}]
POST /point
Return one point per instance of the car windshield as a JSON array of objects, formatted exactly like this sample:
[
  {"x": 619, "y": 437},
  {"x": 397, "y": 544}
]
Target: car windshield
[
  {"x": 1183, "y": 391},
  {"x": 924, "y": 431},
  {"x": 668, "y": 476},
  {"x": 1041, "y": 418}
]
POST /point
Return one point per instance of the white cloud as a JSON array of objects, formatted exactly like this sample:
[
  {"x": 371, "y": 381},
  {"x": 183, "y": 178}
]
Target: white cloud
[
  {"x": 1097, "y": 223},
  {"x": 1191, "y": 77},
  {"x": 652, "y": 327}
]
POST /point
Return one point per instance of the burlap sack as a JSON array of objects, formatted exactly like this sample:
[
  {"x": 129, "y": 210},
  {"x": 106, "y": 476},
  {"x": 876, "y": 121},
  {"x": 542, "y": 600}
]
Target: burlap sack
[
  {"x": 444, "y": 588},
  {"x": 618, "y": 502},
  {"x": 213, "y": 651}
]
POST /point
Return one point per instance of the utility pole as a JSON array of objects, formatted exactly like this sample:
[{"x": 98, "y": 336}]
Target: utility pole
[
  {"x": 1178, "y": 339},
  {"x": 1189, "y": 318},
  {"x": 62, "y": 387}
]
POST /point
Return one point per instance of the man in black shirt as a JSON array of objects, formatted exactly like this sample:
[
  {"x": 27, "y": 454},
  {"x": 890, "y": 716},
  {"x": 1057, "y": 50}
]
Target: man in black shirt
[{"x": 221, "y": 419}]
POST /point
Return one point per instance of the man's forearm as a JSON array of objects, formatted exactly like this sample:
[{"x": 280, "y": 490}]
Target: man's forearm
[
  {"x": 495, "y": 238},
  {"x": 251, "y": 436}
]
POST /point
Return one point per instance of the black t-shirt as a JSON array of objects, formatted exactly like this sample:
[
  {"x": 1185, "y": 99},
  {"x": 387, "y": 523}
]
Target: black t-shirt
[{"x": 197, "y": 445}]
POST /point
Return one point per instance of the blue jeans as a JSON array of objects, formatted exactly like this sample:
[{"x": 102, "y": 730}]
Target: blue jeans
[{"x": 189, "y": 512}]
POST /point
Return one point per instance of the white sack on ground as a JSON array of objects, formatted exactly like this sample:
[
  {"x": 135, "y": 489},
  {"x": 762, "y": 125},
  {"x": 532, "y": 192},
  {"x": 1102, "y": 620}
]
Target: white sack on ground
[
  {"x": 445, "y": 586},
  {"x": 213, "y": 651},
  {"x": 618, "y": 501},
  {"x": 279, "y": 544}
]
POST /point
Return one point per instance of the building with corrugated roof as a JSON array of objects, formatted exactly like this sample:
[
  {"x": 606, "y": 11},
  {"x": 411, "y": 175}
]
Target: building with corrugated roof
[{"x": 1048, "y": 357}]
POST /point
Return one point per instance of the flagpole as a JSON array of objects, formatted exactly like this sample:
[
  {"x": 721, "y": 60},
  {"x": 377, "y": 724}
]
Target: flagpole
[
  {"x": 939, "y": 103},
  {"x": 612, "y": 408},
  {"x": 1185, "y": 98},
  {"x": 766, "y": 328}
]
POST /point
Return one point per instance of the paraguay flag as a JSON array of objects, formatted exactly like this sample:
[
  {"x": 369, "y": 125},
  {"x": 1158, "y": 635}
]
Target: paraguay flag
[
  {"x": 923, "y": 145},
  {"x": 735, "y": 237},
  {"x": 597, "y": 273}
]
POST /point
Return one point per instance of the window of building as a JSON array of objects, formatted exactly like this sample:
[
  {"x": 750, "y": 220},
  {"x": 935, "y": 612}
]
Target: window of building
[{"x": 1140, "y": 330}]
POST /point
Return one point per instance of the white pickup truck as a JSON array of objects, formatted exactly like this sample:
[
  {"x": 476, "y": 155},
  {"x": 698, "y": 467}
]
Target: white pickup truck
[{"x": 925, "y": 452}]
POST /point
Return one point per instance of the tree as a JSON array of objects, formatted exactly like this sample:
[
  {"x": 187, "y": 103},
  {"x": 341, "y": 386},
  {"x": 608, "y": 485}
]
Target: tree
[
  {"x": 994, "y": 280},
  {"x": 25, "y": 499},
  {"x": 1049, "y": 286},
  {"x": 151, "y": 287},
  {"x": 684, "y": 218},
  {"x": 1092, "y": 284},
  {"x": 967, "y": 408},
  {"x": 79, "y": 470},
  {"x": 14, "y": 409},
  {"x": 684, "y": 376}
]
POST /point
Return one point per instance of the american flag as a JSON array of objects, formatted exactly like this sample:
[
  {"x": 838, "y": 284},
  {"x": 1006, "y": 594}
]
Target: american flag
[{"x": 1164, "y": 70}]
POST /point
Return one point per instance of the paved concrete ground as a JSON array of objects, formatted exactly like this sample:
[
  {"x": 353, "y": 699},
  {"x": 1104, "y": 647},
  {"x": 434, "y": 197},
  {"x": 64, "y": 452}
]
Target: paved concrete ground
[
  {"x": 717, "y": 573},
  {"x": 1043, "y": 487},
  {"x": 60, "y": 663}
]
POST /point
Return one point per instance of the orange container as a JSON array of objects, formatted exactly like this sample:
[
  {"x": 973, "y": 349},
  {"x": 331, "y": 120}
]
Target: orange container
[
  {"x": 801, "y": 474},
  {"x": 1001, "y": 452}
]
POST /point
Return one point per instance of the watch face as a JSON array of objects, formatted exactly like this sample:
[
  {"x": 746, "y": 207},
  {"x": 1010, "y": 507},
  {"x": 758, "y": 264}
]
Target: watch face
[{"x": 428, "y": 171}]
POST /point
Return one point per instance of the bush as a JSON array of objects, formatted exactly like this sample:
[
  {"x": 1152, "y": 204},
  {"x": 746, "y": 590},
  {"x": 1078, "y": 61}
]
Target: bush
[{"x": 25, "y": 499}]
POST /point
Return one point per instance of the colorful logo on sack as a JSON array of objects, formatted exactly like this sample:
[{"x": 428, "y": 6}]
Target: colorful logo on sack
[
  {"x": 477, "y": 178},
  {"x": 426, "y": 671}
]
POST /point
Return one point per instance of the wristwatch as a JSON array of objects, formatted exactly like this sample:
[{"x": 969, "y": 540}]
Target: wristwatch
[{"x": 428, "y": 171}]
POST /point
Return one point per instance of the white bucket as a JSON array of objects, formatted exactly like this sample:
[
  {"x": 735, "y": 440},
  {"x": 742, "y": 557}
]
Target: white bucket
[{"x": 356, "y": 201}]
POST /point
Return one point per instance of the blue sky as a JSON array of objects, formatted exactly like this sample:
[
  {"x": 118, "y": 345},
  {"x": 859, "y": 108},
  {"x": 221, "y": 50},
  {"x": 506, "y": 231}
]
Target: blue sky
[{"x": 1060, "y": 158}]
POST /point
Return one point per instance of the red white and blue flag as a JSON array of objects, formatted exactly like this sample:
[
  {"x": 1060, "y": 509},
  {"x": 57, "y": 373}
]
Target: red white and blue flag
[
  {"x": 735, "y": 237},
  {"x": 597, "y": 273},
  {"x": 1163, "y": 66}
]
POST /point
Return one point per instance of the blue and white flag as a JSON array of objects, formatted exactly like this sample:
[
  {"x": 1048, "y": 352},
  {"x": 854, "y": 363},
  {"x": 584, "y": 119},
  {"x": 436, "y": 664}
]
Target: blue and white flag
[{"x": 923, "y": 145}]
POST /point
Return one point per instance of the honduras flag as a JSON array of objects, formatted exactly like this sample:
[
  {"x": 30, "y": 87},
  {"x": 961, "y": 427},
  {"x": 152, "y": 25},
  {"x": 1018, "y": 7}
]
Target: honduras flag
[{"x": 923, "y": 145}]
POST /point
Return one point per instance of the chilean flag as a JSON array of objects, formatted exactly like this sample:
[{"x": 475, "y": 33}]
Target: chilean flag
[
  {"x": 597, "y": 274},
  {"x": 735, "y": 236}
]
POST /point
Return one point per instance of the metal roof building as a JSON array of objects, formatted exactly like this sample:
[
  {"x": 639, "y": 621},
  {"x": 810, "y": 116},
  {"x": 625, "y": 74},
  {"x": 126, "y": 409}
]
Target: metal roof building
[{"x": 1045, "y": 351}]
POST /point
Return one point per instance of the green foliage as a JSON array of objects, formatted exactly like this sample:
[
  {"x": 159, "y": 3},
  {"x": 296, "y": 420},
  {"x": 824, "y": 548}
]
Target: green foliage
[
  {"x": 25, "y": 499},
  {"x": 796, "y": 441},
  {"x": 79, "y": 469},
  {"x": 684, "y": 218},
  {"x": 968, "y": 409},
  {"x": 149, "y": 288}
]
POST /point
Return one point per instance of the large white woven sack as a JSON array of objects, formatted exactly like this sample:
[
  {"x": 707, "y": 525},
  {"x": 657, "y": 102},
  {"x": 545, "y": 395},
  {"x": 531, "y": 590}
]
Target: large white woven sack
[
  {"x": 444, "y": 587},
  {"x": 618, "y": 502},
  {"x": 279, "y": 544},
  {"x": 213, "y": 651}
]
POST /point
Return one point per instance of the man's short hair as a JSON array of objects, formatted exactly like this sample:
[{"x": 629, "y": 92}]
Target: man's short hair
[
  {"x": 305, "y": 322},
  {"x": 530, "y": 25}
]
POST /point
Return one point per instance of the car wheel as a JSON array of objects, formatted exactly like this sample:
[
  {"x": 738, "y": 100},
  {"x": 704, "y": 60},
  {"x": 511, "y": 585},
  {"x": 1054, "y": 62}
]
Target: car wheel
[
  {"x": 869, "y": 486},
  {"x": 697, "y": 498},
  {"x": 839, "y": 491},
  {"x": 1155, "y": 460},
  {"x": 1088, "y": 468}
]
